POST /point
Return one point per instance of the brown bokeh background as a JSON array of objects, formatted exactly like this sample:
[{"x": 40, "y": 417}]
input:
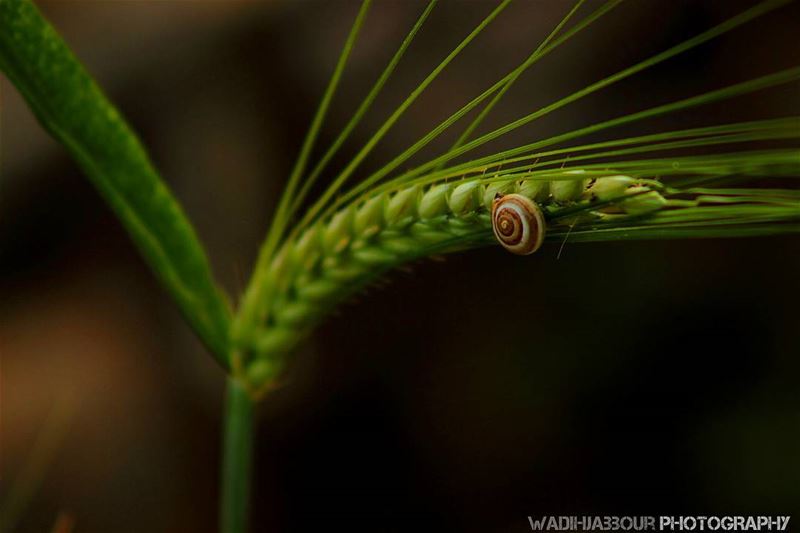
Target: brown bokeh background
[{"x": 653, "y": 377}]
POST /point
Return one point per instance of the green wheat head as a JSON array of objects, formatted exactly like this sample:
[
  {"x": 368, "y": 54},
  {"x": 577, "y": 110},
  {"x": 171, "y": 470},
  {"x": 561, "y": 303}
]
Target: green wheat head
[
  {"x": 359, "y": 243},
  {"x": 603, "y": 191},
  {"x": 356, "y": 230}
]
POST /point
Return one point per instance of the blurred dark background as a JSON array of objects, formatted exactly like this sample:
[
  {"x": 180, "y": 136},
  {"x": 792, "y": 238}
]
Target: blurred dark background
[{"x": 462, "y": 395}]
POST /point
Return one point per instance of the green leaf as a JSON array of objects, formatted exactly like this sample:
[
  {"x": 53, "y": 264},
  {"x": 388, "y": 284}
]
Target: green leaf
[{"x": 75, "y": 111}]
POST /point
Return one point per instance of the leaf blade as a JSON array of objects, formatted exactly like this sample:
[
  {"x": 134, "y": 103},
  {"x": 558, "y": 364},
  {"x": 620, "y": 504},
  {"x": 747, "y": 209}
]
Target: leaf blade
[{"x": 74, "y": 110}]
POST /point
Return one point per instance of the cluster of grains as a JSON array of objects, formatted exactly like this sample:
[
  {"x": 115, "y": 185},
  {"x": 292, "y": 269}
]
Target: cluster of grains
[{"x": 338, "y": 256}]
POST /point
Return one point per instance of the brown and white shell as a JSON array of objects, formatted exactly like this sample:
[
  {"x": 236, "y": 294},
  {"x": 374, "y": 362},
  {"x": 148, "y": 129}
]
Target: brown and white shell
[{"x": 517, "y": 223}]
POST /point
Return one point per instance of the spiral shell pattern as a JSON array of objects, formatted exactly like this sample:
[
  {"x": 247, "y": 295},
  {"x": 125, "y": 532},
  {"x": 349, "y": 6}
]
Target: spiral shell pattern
[{"x": 518, "y": 223}]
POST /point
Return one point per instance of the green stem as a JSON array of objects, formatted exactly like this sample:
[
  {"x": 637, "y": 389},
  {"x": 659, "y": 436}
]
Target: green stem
[{"x": 237, "y": 456}]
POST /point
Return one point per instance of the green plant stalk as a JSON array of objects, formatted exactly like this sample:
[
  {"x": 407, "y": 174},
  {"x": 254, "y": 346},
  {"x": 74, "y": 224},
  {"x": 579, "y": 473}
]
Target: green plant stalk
[
  {"x": 333, "y": 260},
  {"x": 237, "y": 459},
  {"x": 75, "y": 111}
]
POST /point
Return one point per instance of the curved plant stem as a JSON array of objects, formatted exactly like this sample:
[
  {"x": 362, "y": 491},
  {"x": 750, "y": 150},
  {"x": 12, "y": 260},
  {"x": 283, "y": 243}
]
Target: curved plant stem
[{"x": 237, "y": 456}]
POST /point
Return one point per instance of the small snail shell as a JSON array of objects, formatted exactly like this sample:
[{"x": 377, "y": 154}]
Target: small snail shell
[{"x": 518, "y": 223}]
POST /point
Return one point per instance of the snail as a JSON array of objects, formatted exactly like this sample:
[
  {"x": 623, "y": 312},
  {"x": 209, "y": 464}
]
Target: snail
[{"x": 517, "y": 223}]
